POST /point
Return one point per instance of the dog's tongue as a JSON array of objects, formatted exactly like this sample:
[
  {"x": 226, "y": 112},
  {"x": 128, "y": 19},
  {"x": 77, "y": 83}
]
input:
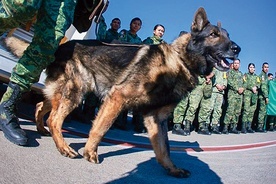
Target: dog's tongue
[{"x": 223, "y": 64}]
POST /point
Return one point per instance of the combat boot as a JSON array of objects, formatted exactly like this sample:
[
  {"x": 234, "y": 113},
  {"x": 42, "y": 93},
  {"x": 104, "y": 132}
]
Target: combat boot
[
  {"x": 203, "y": 128},
  {"x": 178, "y": 130},
  {"x": 9, "y": 122},
  {"x": 249, "y": 129},
  {"x": 271, "y": 128},
  {"x": 225, "y": 129},
  {"x": 234, "y": 129},
  {"x": 215, "y": 129},
  {"x": 187, "y": 127},
  {"x": 243, "y": 129},
  {"x": 261, "y": 129}
]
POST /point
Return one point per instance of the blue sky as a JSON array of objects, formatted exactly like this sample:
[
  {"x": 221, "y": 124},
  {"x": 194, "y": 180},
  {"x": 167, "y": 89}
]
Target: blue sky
[{"x": 250, "y": 23}]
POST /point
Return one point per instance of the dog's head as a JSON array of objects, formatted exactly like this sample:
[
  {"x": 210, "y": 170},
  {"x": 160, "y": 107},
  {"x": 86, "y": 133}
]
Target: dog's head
[{"x": 210, "y": 45}]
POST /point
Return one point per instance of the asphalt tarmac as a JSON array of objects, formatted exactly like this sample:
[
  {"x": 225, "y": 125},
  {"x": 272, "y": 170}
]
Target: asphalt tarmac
[{"x": 127, "y": 157}]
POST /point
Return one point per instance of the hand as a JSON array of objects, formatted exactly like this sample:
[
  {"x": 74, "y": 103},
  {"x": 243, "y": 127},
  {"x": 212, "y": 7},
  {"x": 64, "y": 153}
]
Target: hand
[
  {"x": 266, "y": 100},
  {"x": 208, "y": 80},
  {"x": 220, "y": 87},
  {"x": 254, "y": 89},
  {"x": 240, "y": 90}
]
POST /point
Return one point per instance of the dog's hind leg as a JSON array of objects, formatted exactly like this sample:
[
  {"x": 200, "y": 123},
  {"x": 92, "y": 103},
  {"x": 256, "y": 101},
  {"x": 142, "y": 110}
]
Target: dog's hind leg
[
  {"x": 109, "y": 110},
  {"x": 157, "y": 138},
  {"x": 61, "y": 107},
  {"x": 42, "y": 108}
]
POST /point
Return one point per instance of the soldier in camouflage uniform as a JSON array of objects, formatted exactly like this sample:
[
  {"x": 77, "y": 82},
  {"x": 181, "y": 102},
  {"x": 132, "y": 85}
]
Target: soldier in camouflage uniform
[
  {"x": 53, "y": 19},
  {"x": 200, "y": 97},
  {"x": 263, "y": 98},
  {"x": 219, "y": 85},
  {"x": 158, "y": 32},
  {"x": 180, "y": 112},
  {"x": 108, "y": 35},
  {"x": 251, "y": 83},
  {"x": 178, "y": 117},
  {"x": 235, "y": 96},
  {"x": 131, "y": 35}
]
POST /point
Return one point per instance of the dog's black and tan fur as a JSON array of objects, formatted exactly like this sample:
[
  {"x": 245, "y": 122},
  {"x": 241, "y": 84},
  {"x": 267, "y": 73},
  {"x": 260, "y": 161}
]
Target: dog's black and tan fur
[{"x": 151, "y": 78}]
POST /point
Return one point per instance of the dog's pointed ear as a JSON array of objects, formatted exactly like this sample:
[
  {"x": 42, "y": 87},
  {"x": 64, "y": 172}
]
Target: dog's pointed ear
[
  {"x": 200, "y": 20},
  {"x": 219, "y": 25}
]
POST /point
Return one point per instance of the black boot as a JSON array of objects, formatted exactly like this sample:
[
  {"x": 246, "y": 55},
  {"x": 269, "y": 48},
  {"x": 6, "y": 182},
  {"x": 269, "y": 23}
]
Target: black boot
[
  {"x": 234, "y": 129},
  {"x": 225, "y": 129},
  {"x": 187, "y": 127},
  {"x": 203, "y": 129},
  {"x": 243, "y": 129},
  {"x": 215, "y": 129},
  {"x": 271, "y": 128},
  {"x": 9, "y": 122},
  {"x": 261, "y": 129},
  {"x": 249, "y": 129},
  {"x": 178, "y": 130}
]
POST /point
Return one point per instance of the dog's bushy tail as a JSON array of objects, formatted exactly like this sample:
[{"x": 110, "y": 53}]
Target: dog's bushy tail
[{"x": 15, "y": 45}]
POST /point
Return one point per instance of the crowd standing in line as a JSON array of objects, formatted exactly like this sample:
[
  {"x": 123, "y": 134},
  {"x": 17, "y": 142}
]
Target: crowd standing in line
[{"x": 244, "y": 92}]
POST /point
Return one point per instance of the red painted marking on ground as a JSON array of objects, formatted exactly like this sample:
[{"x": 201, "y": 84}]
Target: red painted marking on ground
[{"x": 183, "y": 148}]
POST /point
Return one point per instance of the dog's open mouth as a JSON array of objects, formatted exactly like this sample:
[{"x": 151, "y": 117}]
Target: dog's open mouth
[{"x": 221, "y": 63}]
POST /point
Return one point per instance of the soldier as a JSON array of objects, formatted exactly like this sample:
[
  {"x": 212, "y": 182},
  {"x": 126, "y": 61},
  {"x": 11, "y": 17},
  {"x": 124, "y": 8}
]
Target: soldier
[
  {"x": 263, "y": 98},
  {"x": 53, "y": 19},
  {"x": 180, "y": 111},
  {"x": 251, "y": 83},
  {"x": 234, "y": 98},
  {"x": 131, "y": 36},
  {"x": 200, "y": 96},
  {"x": 108, "y": 35},
  {"x": 219, "y": 86},
  {"x": 158, "y": 32},
  {"x": 178, "y": 118}
]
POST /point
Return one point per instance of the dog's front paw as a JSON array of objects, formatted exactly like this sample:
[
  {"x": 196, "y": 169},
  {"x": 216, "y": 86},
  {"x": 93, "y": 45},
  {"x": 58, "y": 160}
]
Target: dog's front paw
[
  {"x": 179, "y": 173},
  {"x": 43, "y": 131},
  {"x": 91, "y": 156},
  {"x": 67, "y": 151}
]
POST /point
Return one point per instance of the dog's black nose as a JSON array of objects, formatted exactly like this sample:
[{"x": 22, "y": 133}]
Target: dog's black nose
[{"x": 235, "y": 48}]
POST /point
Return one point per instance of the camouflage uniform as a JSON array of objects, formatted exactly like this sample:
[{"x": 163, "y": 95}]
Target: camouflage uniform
[
  {"x": 153, "y": 40},
  {"x": 235, "y": 81},
  {"x": 263, "y": 95},
  {"x": 104, "y": 34},
  {"x": 180, "y": 110},
  {"x": 249, "y": 100},
  {"x": 127, "y": 37},
  {"x": 219, "y": 78},
  {"x": 47, "y": 33},
  {"x": 200, "y": 96},
  {"x": 53, "y": 19}
]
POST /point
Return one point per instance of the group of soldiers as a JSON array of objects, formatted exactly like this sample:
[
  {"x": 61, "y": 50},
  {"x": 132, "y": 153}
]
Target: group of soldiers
[{"x": 225, "y": 102}]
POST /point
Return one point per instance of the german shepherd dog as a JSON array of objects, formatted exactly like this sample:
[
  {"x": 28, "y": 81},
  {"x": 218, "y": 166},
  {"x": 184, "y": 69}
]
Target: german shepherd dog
[{"x": 148, "y": 78}]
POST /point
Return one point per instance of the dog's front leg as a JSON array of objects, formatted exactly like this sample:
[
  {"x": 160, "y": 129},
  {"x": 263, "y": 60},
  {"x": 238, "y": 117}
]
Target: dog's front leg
[
  {"x": 158, "y": 142},
  {"x": 42, "y": 108},
  {"x": 108, "y": 112},
  {"x": 58, "y": 114}
]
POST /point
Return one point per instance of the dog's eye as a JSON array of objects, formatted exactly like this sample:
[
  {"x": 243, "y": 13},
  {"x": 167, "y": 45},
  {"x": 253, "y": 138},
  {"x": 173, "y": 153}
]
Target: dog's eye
[{"x": 214, "y": 34}]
